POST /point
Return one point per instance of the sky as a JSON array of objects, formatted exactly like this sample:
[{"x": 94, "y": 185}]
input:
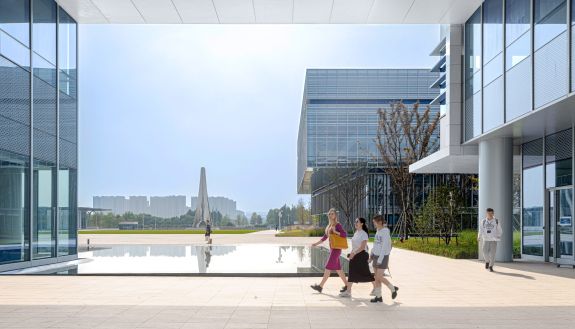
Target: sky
[{"x": 158, "y": 102}]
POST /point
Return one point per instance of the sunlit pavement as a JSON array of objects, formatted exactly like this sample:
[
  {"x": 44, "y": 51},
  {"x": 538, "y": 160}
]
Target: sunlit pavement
[{"x": 434, "y": 292}]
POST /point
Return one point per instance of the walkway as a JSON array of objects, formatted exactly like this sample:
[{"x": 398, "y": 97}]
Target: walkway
[{"x": 435, "y": 293}]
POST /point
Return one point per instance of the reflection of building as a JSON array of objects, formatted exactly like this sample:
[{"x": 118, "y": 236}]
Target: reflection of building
[
  {"x": 338, "y": 127},
  {"x": 38, "y": 134}
]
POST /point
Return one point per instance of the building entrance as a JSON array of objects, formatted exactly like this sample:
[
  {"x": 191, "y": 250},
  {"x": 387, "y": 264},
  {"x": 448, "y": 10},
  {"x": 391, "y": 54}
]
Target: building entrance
[{"x": 560, "y": 235}]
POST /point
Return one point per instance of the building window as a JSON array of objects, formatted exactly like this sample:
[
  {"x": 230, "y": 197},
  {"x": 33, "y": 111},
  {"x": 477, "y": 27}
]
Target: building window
[
  {"x": 519, "y": 74},
  {"x": 472, "y": 73},
  {"x": 550, "y": 20}
]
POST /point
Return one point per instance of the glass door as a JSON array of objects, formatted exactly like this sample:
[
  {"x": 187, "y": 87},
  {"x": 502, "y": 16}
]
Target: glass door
[
  {"x": 564, "y": 226},
  {"x": 550, "y": 223}
]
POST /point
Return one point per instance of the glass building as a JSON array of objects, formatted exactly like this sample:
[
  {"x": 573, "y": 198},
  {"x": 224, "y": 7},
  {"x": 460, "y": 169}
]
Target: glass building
[
  {"x": 338, "y": 128},
  {"x": 38, "y": 134},
  {"x": 516, "y": 109}
]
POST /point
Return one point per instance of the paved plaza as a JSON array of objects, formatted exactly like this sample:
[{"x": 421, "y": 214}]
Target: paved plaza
[{"x": 435, "y": 292}]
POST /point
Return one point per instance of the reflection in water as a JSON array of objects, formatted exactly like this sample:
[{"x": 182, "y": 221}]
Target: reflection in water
[{"x": 196, "y": 259}]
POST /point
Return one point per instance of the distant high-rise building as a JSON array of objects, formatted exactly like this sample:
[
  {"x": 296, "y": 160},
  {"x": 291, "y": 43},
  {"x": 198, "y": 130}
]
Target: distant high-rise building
[
  {"x": 226, "y": 206},
  {"x": 168, "y": 206},
  {"x": 138, "y": 205},
  {"x": 117, "y": 204}
]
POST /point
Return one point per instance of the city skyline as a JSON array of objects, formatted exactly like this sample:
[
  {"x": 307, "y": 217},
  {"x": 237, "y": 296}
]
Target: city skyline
[{"x": 252, "y": 76}]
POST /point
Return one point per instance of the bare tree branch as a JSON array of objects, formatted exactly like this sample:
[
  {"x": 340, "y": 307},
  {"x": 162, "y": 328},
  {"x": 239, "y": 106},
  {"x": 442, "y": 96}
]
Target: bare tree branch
[{"x": 405, "y": 136}]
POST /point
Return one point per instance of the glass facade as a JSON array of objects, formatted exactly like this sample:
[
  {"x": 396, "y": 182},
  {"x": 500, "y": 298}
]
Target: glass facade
[
  {"x": 547, "y": 196},
  {"x": 338, "y": 128},
  {"x": 532, "y": 72},
  {"x": 518, "y": 72},
  {"x": 38, "y": 131},
  {"x": 341, "y": 112},
  {"x": 472, "y": 73}
]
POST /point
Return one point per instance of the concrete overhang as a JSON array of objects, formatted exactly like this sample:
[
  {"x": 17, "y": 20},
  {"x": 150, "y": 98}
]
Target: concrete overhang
[
  {"x": 270, "y": 11},
  {"x": 451, "y": 160}
]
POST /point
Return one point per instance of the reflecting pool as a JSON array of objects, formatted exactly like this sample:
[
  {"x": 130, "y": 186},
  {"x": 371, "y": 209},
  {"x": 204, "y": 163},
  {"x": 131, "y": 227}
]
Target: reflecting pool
[{"x": 139, "y": 259}]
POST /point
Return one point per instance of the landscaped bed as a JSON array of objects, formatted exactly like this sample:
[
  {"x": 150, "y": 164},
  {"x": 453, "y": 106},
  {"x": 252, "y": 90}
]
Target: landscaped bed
[{"x": 466, "y": 247}]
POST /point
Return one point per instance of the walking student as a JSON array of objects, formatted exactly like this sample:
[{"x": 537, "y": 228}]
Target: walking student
[
  {"x": 208, "y": 232},
  {"x": 380, "y": 258},
  {"x": 333, "y": 263},
  {"x": 489, "y": 233},
  {"x": 358, "y": 258}
]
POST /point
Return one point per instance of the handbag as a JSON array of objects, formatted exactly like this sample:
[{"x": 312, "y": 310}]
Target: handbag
[{"x": 337, "y": 242}]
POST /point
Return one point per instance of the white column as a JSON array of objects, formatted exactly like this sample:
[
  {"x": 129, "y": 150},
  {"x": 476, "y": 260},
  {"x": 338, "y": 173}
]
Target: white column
[{"x": 496, "y": 190}]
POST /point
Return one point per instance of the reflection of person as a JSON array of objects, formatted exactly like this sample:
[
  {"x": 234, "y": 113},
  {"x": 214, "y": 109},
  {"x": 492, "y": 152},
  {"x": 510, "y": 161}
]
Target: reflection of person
[
  {"x": 208, "y": 255},
  {"x": 489, "y": 233},
  {"x": 380, "y": 257},
  {"x": 208, "y": 232},
  {"x": 358, "y": 258},
  {"x": 333, "y": 263}
]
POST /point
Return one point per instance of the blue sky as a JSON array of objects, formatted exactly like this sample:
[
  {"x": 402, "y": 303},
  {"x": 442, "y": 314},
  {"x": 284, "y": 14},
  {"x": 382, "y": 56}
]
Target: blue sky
[{"x": 158, "y": 102}]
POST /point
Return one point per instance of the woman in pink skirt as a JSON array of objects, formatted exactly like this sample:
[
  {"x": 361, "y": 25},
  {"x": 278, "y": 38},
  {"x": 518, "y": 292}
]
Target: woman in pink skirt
[{"x": 333, "y": 263}]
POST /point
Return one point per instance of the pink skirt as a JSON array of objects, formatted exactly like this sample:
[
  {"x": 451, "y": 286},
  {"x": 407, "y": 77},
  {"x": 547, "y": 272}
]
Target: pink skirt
[{"x": 333, "y": 263}]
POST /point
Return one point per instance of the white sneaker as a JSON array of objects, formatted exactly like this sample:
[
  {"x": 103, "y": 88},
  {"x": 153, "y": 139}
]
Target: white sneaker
[{"x": 344, "y": 294}]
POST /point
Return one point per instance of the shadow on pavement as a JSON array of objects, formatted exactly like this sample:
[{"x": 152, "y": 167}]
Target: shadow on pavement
[{"x": 531, "y": 267}]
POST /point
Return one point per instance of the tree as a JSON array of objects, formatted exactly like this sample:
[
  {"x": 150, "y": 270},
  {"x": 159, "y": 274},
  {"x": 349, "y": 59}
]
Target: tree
[
  {"x": 241, "y": 220},
  {"x": 442, "y": 210},
  {"x": 255, "y": 219},
  {"x": 405, "y": 136},
  {"x": 347, "y": 191},
  {"x": 303, "y": 213}
]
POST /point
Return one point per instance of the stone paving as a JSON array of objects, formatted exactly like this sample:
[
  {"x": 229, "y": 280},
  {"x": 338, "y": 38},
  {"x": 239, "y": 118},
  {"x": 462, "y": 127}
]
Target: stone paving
[{"x": 435, "y": 292}]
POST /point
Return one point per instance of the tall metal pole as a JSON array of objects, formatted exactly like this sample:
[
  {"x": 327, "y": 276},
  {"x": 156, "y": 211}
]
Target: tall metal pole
[{"x": 280, "y": 220}]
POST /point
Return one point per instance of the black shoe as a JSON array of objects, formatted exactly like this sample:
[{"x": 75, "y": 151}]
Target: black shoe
[
  {"x": 486, "y": 265},
  {"x": 343, "y": 289},
  {"x": 394, "y": 293},
  {"x": 491, "y": 269},
  {"x": 317, "y": 288},
  {"x": 377, "y": 300}
]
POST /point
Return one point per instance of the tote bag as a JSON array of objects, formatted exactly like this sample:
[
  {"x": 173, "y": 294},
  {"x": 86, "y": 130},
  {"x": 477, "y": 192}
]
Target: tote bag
[{"x": 337, "y": 242}]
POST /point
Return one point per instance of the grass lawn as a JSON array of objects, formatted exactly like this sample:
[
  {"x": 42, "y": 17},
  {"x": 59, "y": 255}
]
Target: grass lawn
[
  {"x": 301, "y": 233},
  {"x": 466, "y": 248},
  {"x": 164, "y": 231}
]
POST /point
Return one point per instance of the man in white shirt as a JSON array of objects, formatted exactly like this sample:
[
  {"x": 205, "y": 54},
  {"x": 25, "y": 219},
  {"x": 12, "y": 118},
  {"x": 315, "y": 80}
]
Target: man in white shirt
[{"x": 489, "y": 232}]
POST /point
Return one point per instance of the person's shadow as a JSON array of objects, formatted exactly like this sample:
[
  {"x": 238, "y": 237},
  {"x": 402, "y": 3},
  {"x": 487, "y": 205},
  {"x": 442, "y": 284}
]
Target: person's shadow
[{"x": 515, "y": 275}]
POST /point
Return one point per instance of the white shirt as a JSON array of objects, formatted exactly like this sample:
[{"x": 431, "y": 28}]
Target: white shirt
[
  {"x": 490, "y": 230},
  {"x": 381, "y": 244},
  {"x": 358, "y": 237}
]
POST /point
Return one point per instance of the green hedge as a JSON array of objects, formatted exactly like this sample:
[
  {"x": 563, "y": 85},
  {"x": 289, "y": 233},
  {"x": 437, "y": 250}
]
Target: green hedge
[
  {"x": 164, "y": 231},
  {"x": 466, "y": 248}
]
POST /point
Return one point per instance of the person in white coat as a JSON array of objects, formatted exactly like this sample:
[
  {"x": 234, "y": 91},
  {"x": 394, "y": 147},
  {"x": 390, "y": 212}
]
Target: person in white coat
[
  {"x": 380, "y": 258},
  {"x": 489, "y": 233}
]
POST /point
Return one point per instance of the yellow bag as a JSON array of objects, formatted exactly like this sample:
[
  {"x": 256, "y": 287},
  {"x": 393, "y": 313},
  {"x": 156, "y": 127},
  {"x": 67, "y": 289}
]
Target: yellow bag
[{"x": 337, "y": 242}]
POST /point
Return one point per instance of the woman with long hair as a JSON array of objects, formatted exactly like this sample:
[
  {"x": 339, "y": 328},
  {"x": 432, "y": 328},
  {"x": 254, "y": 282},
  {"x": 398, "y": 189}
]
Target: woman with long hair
[
  {"x": 358, "y": 258},
  {"x": 333, "y": 263}
]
